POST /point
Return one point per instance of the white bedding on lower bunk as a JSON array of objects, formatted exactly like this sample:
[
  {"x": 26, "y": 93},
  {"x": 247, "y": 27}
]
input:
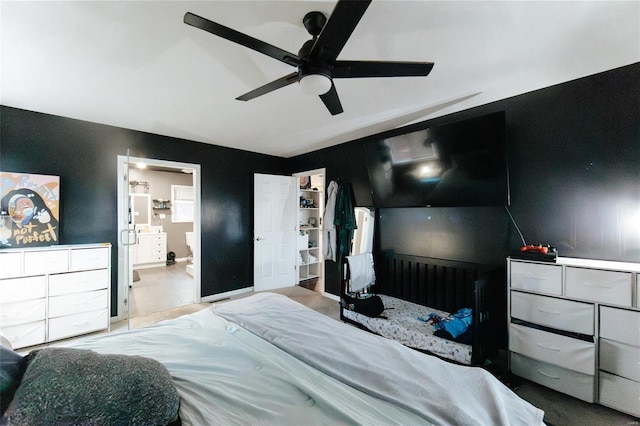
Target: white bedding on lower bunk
[
  {"x": 401, "y": 324},
  {"x": 274, "y": 361}
]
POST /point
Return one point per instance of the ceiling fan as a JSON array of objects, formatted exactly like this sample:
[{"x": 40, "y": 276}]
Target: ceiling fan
[{"x": 316, "y": 62}]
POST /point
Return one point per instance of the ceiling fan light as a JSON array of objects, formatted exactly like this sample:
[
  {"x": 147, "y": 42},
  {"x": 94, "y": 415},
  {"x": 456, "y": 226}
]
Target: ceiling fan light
[{"x": 315, "y": 84}]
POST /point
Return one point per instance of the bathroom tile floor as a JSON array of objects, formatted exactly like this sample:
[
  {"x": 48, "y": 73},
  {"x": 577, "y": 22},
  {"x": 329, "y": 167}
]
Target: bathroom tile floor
[{"x": 161, "y": 289}]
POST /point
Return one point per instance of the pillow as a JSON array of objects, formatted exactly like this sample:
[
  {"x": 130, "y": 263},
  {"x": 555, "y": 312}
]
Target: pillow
[
  {"x": 11, "y": 369},
  {"x": 4, "y": 341},
  {"x": 81, "y": 387}
]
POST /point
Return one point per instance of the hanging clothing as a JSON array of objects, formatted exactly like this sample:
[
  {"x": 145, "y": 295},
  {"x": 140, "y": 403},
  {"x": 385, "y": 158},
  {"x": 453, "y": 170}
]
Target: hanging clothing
[
  {"x": 329, "y": 229},
  {"x": 345, "y": 220}
]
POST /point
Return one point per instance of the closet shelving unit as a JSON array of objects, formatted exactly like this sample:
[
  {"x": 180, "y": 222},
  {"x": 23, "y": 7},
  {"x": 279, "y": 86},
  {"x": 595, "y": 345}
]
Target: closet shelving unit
[{"x": 310, "y": 234}]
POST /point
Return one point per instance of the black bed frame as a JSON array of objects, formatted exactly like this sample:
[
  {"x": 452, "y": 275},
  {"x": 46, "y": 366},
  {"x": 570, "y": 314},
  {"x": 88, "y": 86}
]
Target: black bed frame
[{"x": 445, "y": 285}]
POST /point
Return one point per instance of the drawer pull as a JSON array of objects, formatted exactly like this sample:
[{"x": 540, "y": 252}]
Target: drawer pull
[
  {"x": 88, "y": 299},
  {"x": 596, "y": 285},
  {"x": 548, "y": 347},
  {"x": 548, "y": 312},
  {"x": 548, "y": 375},
  {"x": 536, "y": 278},
  {"x": 81, "y": 324}
]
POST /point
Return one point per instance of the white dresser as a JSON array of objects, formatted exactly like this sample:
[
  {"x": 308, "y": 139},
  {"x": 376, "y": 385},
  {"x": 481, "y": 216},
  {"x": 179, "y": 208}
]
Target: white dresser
[
  {"x": 55, "y": 292},
  {"x": 574, "y": 326}
]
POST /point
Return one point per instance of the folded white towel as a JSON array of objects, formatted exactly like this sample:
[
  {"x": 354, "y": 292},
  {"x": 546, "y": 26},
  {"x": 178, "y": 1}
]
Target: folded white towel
[{"x": 362, "y": 273}]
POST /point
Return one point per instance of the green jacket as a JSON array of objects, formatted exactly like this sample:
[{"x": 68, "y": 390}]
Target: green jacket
[{"x": 344, "y": 220}]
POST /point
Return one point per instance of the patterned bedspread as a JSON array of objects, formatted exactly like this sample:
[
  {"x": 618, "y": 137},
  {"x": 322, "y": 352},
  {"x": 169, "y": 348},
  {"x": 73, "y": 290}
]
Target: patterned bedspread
[{"x": 401, "y": 324}]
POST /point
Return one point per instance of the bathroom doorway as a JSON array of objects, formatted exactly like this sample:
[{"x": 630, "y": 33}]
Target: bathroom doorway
[{"x": 163, "y": 270}]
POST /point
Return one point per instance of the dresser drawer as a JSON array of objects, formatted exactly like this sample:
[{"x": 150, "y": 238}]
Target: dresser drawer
[
  {"x": 155, "y": 239},
  {"x": 566, "y": 352},
  {"x": 599, "y": 286},
  {"x": 77, "y": 282},
  {"x": 43, "y": 262},
  {"x": 25, "y": 335},
  {"x": 620, "y": 393},
  {"x": 10, "y": 265},
  {"x": 77, "y": 302},
  {"x": 93, "y": 258},
  {"x": 17, "y": 289},
  {"x": 556, "y": 313},
  {"x": 536, "y": 277},
  {"x": 22, "y": 312},
  {"x": 72, "y": 325},
  {"x": 620, "y": 324},
  {"x": 620, "y": 359},
  {"x": 159, "y": 255},
  {"x": 578, "y": 385}
]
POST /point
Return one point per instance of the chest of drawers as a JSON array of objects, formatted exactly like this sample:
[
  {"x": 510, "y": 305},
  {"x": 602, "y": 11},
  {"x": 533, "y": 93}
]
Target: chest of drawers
[
  {"x": 574, "y": 326},
  {"x": 51, "y": 293},
  {"x": 619, "y": 369}
]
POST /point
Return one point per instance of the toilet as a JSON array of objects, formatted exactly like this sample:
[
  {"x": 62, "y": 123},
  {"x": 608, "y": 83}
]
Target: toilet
[{"x": 189, "y": 240}]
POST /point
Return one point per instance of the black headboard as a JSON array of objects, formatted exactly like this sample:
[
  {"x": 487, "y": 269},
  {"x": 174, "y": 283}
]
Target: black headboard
[{"x": 439, "y": 283}]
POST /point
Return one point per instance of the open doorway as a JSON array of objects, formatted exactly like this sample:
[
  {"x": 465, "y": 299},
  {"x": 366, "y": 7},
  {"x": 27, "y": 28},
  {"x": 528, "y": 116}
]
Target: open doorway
[
  {"x": 159, "y": 209},
  {"x": 310, "y": 229}
]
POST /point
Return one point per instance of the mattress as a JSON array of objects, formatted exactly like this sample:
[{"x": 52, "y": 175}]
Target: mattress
[
  {"x": 401, "y": 324},
  {"x": 269, "y": 360}
]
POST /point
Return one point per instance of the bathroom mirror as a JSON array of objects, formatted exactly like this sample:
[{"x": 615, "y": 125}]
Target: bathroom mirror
[
  {"x": 140, "y": 209},
  {"x": 363, "y": 235}
]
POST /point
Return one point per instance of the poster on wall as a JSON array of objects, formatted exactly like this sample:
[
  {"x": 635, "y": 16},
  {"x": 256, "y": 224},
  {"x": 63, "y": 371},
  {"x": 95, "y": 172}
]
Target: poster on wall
[{"x": 29, "y": 210}]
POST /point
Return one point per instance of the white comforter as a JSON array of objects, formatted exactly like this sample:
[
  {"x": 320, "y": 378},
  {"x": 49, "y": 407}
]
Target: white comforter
[{"x": 306, "y": 368}]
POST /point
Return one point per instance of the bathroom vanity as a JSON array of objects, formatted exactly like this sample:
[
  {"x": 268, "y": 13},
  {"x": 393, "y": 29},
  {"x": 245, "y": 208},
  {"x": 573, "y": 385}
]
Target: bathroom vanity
[{"x": 150, "y": 250}]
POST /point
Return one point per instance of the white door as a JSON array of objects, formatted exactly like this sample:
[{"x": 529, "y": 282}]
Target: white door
[
  {"x": 127, "y": 238},
  {"x": 274, "y": 236}
]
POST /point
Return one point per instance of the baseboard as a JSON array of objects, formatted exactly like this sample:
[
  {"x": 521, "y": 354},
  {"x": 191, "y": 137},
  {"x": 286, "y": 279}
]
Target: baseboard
[
  {"x": 226, "y": 295},
  {"x": 331, "y": 296}
]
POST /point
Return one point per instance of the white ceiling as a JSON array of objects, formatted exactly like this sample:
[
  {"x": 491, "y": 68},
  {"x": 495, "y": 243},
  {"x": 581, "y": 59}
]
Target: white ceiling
[{"x": 135, "y": 64}]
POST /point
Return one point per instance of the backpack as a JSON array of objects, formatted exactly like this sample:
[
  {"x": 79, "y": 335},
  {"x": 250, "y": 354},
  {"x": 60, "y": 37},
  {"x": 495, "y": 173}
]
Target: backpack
[{"x": 370, "y": 306}]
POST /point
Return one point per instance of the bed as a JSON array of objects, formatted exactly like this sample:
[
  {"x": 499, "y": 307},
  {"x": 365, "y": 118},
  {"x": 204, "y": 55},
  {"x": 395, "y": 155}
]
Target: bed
[
  {"x": 413, "y": 287},
  {"x": 266, "y": 359}
]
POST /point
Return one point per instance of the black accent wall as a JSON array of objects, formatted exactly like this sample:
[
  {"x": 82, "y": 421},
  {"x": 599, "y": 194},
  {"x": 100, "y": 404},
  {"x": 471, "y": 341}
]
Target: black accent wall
[
  {"x": 574, "y": 162},
  {"x": 84, "y": 155}
]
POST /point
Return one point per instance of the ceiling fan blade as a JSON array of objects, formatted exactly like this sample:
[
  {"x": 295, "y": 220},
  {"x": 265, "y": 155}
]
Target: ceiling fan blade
[
  {"x": 270, "y": 87},
  {"x": 242, "y": 39},
  {"x": 338, "y": 29},
  {"x": 360, "y": 69},
  {"x": 332, "y": 101}
]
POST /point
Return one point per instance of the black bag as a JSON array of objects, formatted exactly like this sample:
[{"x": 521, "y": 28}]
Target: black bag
[{"x": 370, "y": 306}]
